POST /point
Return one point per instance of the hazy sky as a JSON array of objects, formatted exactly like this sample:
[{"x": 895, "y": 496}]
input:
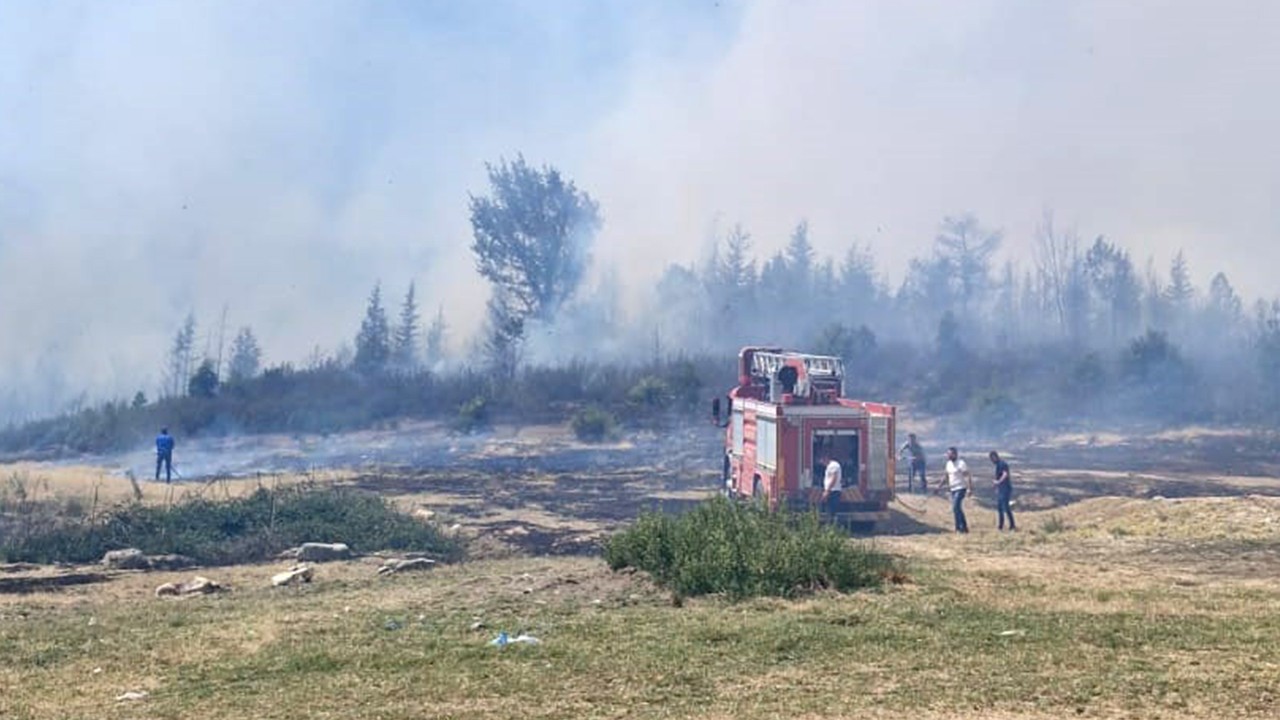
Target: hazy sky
[{"x": 278, "y": 158}]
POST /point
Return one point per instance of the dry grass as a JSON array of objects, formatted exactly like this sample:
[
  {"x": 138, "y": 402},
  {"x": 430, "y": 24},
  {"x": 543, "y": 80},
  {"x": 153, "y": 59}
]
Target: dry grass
[
  {"x": 50, "y": 481},
  {"x": 1032, "y": 625}
]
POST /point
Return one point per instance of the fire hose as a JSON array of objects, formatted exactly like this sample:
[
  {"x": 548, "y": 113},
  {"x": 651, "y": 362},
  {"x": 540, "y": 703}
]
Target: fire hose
[{"x": 909, "y": 506}]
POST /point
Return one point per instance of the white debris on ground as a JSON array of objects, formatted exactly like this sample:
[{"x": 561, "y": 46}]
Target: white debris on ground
[
  {"x": 196, "y": 586},
  {"x": 295, "y": 575}
]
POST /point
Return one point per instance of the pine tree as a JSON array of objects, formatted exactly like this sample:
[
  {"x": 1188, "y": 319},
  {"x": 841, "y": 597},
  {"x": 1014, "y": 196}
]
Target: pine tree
[
  {"x": 1179, "y": 295},
  {"x": 1179, "y": 292},
  {"x": 437, "y": 335},
  {"x": 178, "y": 368},
  {"x": 404, "y": 348},
  {"x": 246, "y": 356},
  {"x": 373, "y": 342}
]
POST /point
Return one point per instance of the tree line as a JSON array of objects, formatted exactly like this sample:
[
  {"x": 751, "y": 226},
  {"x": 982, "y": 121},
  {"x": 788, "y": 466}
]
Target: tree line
[{"x": 1082, "y": 332}]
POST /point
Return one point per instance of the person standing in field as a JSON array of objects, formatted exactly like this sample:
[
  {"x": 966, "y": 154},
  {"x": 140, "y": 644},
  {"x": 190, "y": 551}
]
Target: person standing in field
[
  {"x": 831, "y": 484},
  {"x": 914, "y": 449},
  {"x": 960, "y": 483},
  {"x": 1004, "y": 491},
  {"x": 164, "y": 454}
]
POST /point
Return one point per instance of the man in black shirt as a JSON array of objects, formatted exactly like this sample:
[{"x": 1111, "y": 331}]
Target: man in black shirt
[{"x": 1004, "y": 490}]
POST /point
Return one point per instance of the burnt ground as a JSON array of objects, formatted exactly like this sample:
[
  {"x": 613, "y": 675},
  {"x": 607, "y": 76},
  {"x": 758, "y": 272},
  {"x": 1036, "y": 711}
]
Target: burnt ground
[
  {"x": 546, "y": 494},
  {"x": 537, "y": 490}
]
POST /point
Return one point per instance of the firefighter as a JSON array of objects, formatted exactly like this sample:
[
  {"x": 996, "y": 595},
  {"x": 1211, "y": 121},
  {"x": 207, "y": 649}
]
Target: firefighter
[
  {"x": 832, "y": 483},
  {"x": 164, "y": 454},
  {"x": 913, "y": 448}
]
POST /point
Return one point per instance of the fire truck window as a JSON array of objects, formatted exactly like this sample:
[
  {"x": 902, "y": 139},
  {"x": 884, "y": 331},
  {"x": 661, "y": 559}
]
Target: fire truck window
[
  {"x": 848, "y": 456},
  {"x": 767, "y": 443},
  {"x": 737, "y": 432}
]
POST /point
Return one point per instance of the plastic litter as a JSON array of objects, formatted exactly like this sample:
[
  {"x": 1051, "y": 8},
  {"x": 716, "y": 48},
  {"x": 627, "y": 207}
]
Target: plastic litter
[
  {"x": 503, "y": 640},
  {"x": 131, "y": 695}
]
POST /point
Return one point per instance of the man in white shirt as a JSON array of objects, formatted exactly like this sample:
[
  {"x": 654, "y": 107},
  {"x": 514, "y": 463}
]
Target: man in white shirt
[
  {"x": 960, "y": 483},
  {"x": 831, "y": 483}
]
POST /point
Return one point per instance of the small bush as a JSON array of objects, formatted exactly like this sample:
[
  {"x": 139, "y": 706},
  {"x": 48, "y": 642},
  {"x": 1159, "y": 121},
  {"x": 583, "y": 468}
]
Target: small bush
[
  {"x": 1053, "y": 524},
  {"x": 744, "y": 550},
  {"x": 650, "y": 393},
  {"x": 247, "y": 529},
  {"x": 592, "y": 424},
  {"x": 472, "y": 415}
]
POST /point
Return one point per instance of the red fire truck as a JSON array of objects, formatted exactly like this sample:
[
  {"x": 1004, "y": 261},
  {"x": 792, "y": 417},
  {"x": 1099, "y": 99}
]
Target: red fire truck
[{"x": 788, "y": 411}]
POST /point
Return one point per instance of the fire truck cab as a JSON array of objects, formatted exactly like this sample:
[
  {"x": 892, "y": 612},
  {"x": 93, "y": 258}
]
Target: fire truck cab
[{"x": 788, "y": 411}]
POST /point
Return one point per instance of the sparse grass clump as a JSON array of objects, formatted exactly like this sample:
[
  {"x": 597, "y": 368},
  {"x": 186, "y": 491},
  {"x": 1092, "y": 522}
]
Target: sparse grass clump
[
  {"x": 744, "y": 550},
  {"x": 593, "y": 424},
  {"x": 245, "y": 529},
  {"x": 1053, "y": 525}
]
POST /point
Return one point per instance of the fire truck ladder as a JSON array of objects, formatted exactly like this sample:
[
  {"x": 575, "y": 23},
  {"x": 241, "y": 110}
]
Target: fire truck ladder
[{"x": 818, "y": 369}]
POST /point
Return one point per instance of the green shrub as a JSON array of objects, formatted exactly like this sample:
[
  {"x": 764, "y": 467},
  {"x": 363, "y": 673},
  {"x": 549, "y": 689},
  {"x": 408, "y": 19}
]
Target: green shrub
[
  {"x": 650, "y": 393},
  {"x": 592, "y": 424},
  {"x": 247, "y": 529},
  {"x": 744, "y": 550},
  {"x": 472, "y": 415}
]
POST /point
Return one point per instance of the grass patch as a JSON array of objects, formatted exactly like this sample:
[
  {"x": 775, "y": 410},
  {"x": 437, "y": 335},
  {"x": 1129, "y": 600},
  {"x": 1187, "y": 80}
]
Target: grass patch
[
  {"x": 936, "y": 651},
  {"x": 744, "y": 550},
  {"x": 254, "y": 527}
]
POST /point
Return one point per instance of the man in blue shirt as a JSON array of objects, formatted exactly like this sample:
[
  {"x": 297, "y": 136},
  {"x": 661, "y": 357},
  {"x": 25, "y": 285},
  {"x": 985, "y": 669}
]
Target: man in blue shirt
[{"x": 164, "y": 454}]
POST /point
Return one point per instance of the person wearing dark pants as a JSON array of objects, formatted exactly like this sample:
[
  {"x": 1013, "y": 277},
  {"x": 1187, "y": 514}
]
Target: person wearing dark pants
[
  {"x": 164, "y": 454},
  {"x": 1004, "y": 491},
  {"x": 960, "y": 483},
  {"x": 916, "y": 452},
  {"x": 832, "y": 484}
]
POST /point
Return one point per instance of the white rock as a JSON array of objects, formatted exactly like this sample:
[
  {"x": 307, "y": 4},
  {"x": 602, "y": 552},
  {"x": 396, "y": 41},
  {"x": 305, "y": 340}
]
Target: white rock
[
  {"x": 295, "y": 575},
  {"x": 196, "y": 586},
  {"x": 323, "y": 552},
  {"x": 127, "y": 559}
]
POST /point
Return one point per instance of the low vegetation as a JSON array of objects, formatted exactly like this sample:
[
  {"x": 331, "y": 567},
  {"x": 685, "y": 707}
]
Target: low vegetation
[
  {"x": 744, "y": 550},
  {"x": 251, "y": 528},
  {"x": 593, "y": 424}
]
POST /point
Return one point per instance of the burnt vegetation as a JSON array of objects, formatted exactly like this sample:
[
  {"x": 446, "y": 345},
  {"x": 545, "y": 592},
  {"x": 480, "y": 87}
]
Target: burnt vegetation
[{"x": 1081, "y": 334}]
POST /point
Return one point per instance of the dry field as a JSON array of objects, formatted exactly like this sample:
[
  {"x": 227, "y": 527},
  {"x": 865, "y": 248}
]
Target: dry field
[{"x": 1134, "y": 588}]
